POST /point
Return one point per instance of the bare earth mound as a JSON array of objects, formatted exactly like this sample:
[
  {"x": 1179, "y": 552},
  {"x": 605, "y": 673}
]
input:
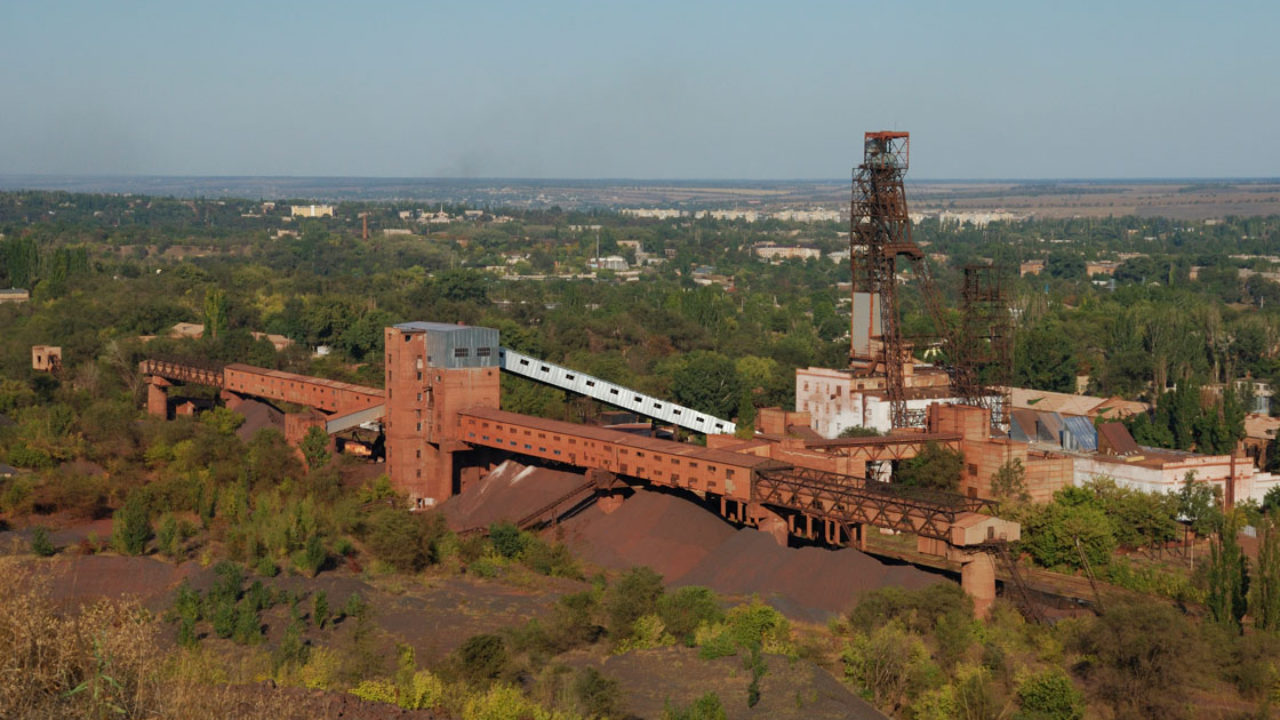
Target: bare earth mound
[
  {"x": 688, "y": 545},
  {"x": 508, "y": 493}
]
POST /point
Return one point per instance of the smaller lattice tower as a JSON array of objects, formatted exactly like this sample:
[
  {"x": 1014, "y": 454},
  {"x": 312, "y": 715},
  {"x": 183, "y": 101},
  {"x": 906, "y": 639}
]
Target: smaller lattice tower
[
  {"x": 880, "y": 231},
  {"x": 982, "y": 349}
]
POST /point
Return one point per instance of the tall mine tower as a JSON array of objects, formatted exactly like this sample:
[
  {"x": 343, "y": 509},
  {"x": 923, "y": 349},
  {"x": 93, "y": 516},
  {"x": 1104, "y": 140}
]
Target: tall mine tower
[{"x": 880, "y": 231}]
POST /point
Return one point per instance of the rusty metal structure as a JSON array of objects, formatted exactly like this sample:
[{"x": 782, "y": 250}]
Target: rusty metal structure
[
  {"x": 443, "y": 428},
  {"x": 982, "y": 363},
  {"x": 978, "y": 348},
  {"x": 880, "y": 231},
  {"x": 856, "y": 501}
]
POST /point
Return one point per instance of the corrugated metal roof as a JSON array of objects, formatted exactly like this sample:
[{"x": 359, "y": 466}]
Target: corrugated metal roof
[
  {"x": 1082, "y": 431},
  {"x": 1022, "y": 425},
  {"x": 1115, "y": 437},
  {"x": 1049, "y": 427},
  {"x": 423, "y": 326}
]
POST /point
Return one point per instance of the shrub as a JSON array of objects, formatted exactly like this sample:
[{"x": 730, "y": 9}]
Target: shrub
[
  {"x": 311, "y": 557},
  {"x": 1049, "y": 695},
  {"x": 404, "y": 540},
  {"x": 167, "y": 535},
  {"x": 265, "y": 567},
  {"x": 635, "y": 594},
  {"x": 648, "y": 632},
  {"x": 320, "y": 609},
  {"x": 1140, "y": 658},
  {"x": 597, "y": 695},
  {"x": 131, "y": 528},
  {"x": 41, "y": 545},
  {"x": 707, "y": 707},
  {"x": 482, "y": 657},
  {"x": 688, "y": 607},
  {"x": 550, "y": 559},
  {"x": 919, "y": 610},
  {"x": 507, "y": 539}
]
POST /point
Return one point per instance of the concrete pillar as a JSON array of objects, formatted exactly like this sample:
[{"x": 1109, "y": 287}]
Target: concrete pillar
[
  {"x": 230, "y": 400},
  {"x": 978, "y": 579},
  {"x": 157, "y": 398},
  {"x": 770, "y": 522}
]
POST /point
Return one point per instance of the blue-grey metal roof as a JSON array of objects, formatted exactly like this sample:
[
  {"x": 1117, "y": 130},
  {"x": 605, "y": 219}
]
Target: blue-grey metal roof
[
  {"x": 1082, "y": 429},
  {"x": 423, "y": 326}
]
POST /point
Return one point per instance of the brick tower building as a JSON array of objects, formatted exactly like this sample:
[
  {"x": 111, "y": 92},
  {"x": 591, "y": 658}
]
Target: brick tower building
[{"x": 434, "y": 370}]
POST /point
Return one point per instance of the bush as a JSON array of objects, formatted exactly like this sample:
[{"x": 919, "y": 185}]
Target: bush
[
  {"x": 131, "y": 528},
  {"x": 1140, "y": 659},
  {"x": 404, "y": 540},
  {"x": 634, "y": 594},
  {"x": 507, "y": 539},
  {"x": 688, "y": 607},
  {"x": 311, "y": 557},
  {"x": 41, "y": 545},
  {"x": 707, "y": 707},
  {"x": 1049, "y": 695},
  {"x": 482, "y": 658},
  {"x": 919, "y": 610},
  {"x": 597, "y": 695},
  {"x": 554, "y": 560}
]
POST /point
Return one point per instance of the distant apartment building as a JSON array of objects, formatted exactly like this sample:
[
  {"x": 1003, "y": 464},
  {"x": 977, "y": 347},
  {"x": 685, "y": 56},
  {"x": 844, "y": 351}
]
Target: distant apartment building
[
  {"x": 810, "y": 215},
  {"x": 311, "y": 211},
  {"x": 654, "y": 213},
  {"x": 1031, "y": 267},
  {"x": 612, "y": 262},
  {"x": 14, "y": 295},
  {"x": 780, "y": 252}
]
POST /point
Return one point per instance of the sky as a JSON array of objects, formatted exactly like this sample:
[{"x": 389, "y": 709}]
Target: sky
[{"x": 643, "y": 90}]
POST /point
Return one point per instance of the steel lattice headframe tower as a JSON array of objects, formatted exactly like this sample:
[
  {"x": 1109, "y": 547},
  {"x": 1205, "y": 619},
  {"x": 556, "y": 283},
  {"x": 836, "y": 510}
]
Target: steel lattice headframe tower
[
  {"x": 880, "y": 231},
  {"x": 982, "y": 350}
]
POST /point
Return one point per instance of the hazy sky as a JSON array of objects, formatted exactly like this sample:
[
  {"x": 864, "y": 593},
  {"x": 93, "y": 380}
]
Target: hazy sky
[{"x": 647, "y": 89}]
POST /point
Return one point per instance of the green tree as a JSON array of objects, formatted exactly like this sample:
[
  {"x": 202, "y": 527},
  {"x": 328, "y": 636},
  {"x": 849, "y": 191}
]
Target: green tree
[
  {"x": 1141, "y": 658},
  {"x": 215, "y": 312},
  {"x": 315, "y": 447},
  {"x": 1044, "y": 359},
  {"x": 1228, "y": 576},
  {"x": 1009, "y": 482},
  {"x": 131, "y": 525},
  {"x": 1198, "y": 505},
  {"x": 633, "y": 595},
  {"x": 708, "y": 381},
  {"x": 41, "y": 545},
  {"x": 1049, "y": 695},
  {"x": 1264, "y": 591},
  {"x": 937, "y": 467}
]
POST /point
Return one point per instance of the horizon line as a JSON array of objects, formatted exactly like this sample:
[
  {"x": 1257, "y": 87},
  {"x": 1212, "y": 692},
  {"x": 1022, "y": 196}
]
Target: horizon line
[{"x": 530, "y": 179}]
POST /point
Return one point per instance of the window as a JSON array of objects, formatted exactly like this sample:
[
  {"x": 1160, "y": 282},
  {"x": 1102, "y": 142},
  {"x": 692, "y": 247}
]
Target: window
[
  {"x": 639, "y": 454},
  {"x": 569, "y": 377},
  {"x": 973, "y": 469},
  {"x": 462, "y": 352},
  {"x": 728, "y": 474},
  {"x": 591, "y": 383},
  {"x": 418, "y": 453},
  {"x": 484, "y": 352}
]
